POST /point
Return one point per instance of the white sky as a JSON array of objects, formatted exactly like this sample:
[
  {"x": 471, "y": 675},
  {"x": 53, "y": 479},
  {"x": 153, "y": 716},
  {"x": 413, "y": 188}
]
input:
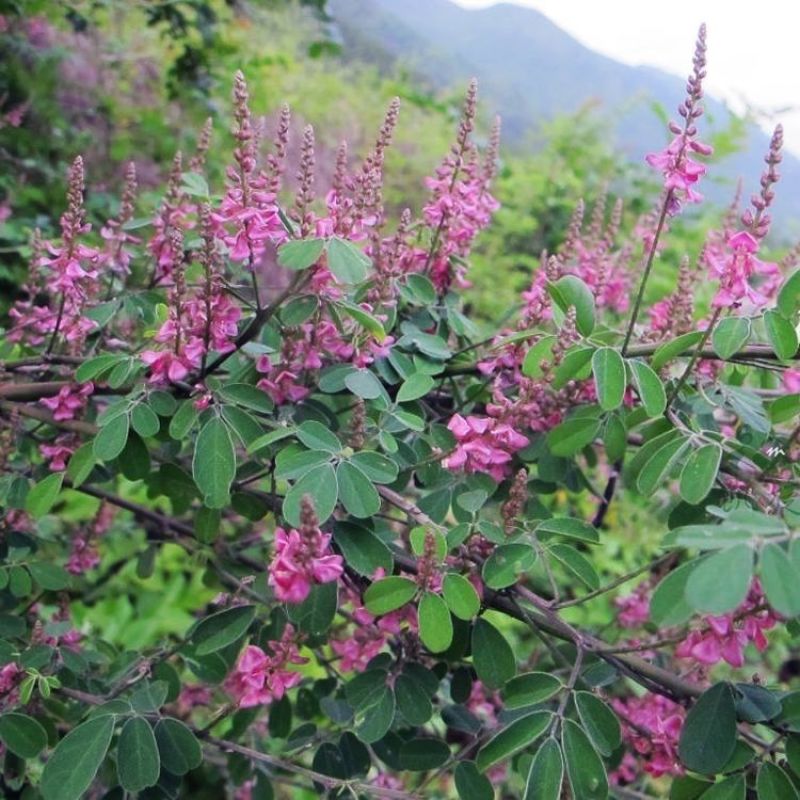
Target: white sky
[{"x": 753, "y": 47}]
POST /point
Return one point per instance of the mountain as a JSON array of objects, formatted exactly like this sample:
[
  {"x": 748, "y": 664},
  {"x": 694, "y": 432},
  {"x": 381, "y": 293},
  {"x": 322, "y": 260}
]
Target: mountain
[{"x": 529, "y": 70}]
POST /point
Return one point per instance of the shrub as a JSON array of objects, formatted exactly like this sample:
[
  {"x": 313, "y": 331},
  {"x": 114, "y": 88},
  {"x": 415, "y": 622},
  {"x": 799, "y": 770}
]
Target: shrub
[{"x": 399, "y": 524}]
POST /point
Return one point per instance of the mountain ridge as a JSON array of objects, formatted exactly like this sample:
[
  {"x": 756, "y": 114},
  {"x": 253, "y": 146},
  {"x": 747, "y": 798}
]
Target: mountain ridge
[{"x": 529, "y": 70}]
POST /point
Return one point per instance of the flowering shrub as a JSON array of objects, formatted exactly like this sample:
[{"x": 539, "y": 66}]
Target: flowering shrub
[{"x": 401, "y": 515}]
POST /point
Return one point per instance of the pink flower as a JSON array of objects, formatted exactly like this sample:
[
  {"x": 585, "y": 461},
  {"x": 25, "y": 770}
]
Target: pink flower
[
  {"x": 726, "y": 636},
  {"x": 260, "y": 677},
  {"x": 166, "y": 366},
  {"x": 734, "y": 267},
  {"x": 634, "y": 609},
  {"x": 791, "y": 380},
  {"x": 653, "y": 729},
  {"x": 681, "y": 173},
  {"x": 58, "y": 453},
  {"x": 484, "y": 445},
  {"x": 302, "y": 559},
  {"x": 69, "y": 402}
]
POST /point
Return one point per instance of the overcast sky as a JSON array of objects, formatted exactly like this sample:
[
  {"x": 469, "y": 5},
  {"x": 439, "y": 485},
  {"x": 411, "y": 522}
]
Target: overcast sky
[{"x": 753, "y": 47}]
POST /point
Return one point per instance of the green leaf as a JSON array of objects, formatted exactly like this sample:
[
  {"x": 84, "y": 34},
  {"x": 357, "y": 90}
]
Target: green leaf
[
  {"x": 22, "y": 735},
  {"x": 650, "y": 389},
  {"x": 789, "y": 296},
  {"x": 668, "y": 606},
  {"x": 793, "y": 747},
  {"x": 781, "y": 334},
  {"x": 530, "y": 688},
  {"x": 316, "y": 436},
  {"x": 270, "y": 438},
  {"x": 71, "y": 768},
  {"x": 362, "y": 550},
  {"x": 708, "y": 737},
  {"x": 50, "y": 577},
  {"x": 247, "y": 396},
  {"x": 144, "y": 420},
  {"x": 377, "y": 467},
  {"x": 576, "y": 564},
  {"x": 730, "y": 336},
  {"x": 291, "y": 464},
  {"x": 780, "y": 578},
  {"x": 372, "y": 723},
  {"x": 315, "y": 614},
  {"x": 347, "y": 263},
  {"x": 414, "y": 387},
  {"x": 460, "y": 596},
  {"x": 364, "y": 319},
  {"x": 300, "y": 254},
  {"x": 299, "y": 310},
  {"x": 356, "y": 492},
  {"x": 572, "y": 435},
  {"x": 572, "y": 291},
  {"x": 81, "y": 464},
  {"x": 150, "y": 697},
  {"x": 178, "y": 748},
  {"x": 194, "y": 184},
  {"x": 111, "y": 439},
  {"x": 435, "y": 623},
  {"x": 599, "y": 722},
  {"x": 422, "y": 289},
  {"x": 388, "y": 594},
  {"x": 44, "y": 494},
  {"x": 492, "y": 655},
  {"x": 183, "y": 420},
  {"x": 676, "y": 347},
  {"x": 365, "y": 689},
  {"x": 755, "y": 703},
  {"x": 570, "y": 528},
  {"x": 661, "y": 465},
  {"x": 506, "y": 563},
  {"x": 320, "y": 484},
  {"x": 214, "y": 463},
  {"x": 221, "y": 629},
  {"x": 413, "y": 701},
  {"x": 733, "y": 788},
  {"x": 471, "y": 784},
  {"x": 420, "y": 755},
  {"x": 513, "y": 738},
  {"x": 95, "y": 367},
  {"x": 699, "y": 473},
  {"x": 541, "y": 351},
  {"x": 546, "y": 774},
  {"x": 575, "y": 365},
  {"x": 20, "y": 581},
  {"x": 363, "y": 384},
  {"x": 138, "y": 763},
  {"x": 587, "y": 775},
  {"x": 609, "y": 377},
  {"x": 706, "y": 592}
]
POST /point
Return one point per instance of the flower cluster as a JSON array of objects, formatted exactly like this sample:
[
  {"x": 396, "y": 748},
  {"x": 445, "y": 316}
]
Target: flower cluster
[
  {"x": 69, "y": 276},
  {"x": 651, "y": 725},
  {"x": 302, "y": 558},
  {"x": 261, "y": 677},
  {"x": 483, "y": 444},
  {"x": 634, "y": 608},
  {"x": 681, "y": 172},
  {"x": 460, "y": 204},
  {"x": 248, "y": 218},
  {"x": 725, "y": 637},
  {"x": 70, "y": 401}
]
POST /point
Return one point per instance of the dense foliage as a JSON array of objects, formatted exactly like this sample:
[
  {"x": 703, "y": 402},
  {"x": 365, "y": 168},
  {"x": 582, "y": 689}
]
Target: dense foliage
[{"x": 281, "y": 519}]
